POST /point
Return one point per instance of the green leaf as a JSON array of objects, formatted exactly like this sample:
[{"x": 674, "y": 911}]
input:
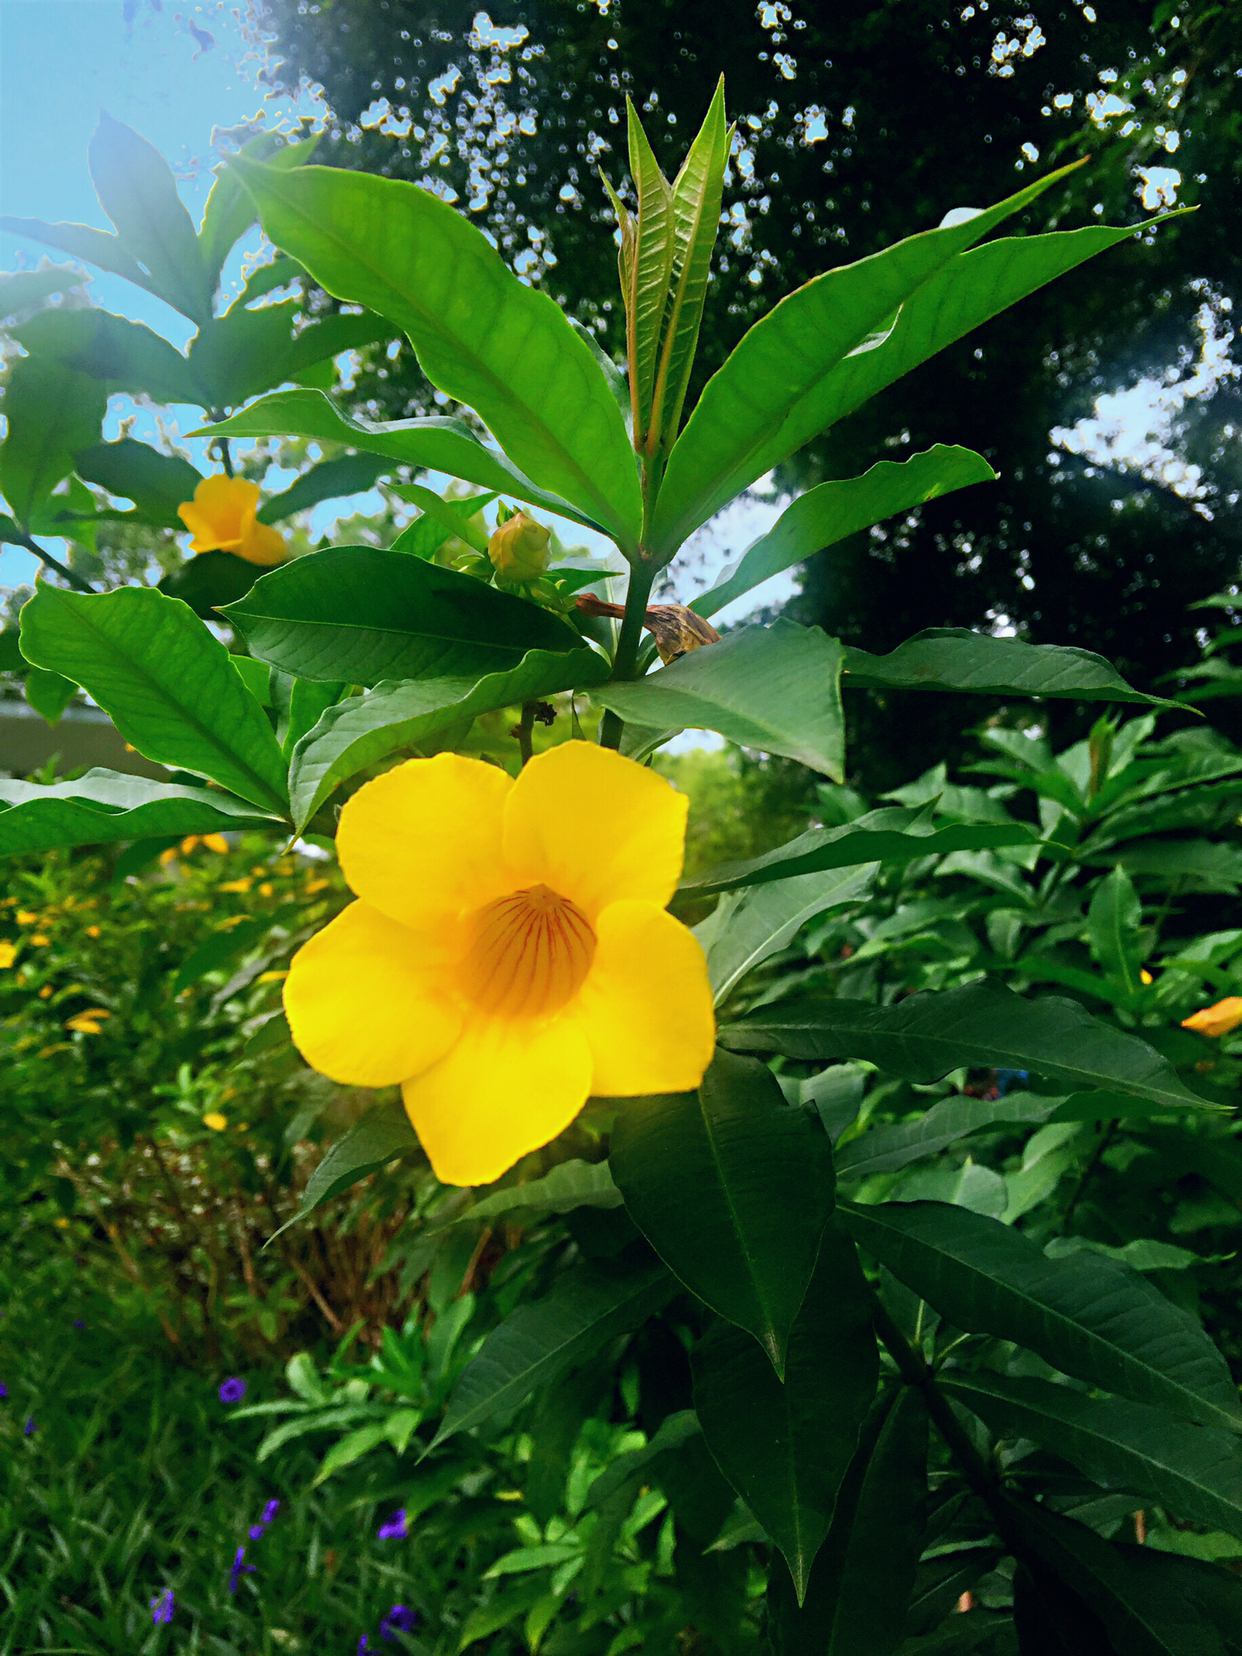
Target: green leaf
[
  {"x": 210, "y": 580},
  {"x": 841, "y": 337},
  {"x": 1113, "y": 923},
  {"x": 52, "y": 412},
  {"x": 104, "y": 806},
  {"x": 647, "y": 270},
  {"x": 437, "y": 443},
  {"x": 749, "y": 928},
  {"x": 827, "y": 514},
  {"x": 165, "y": 681},
  {"x": 380, "y": 1136},
  {"x": 80, "y": 241},
  {"x": 585, "y": 1307},
  {"x": 309, "y": 700},
  {"x": 49, "y": 693},
  {"x": 954, "y": 658},
  {"x": 22, "y": 290},
  {"x": 773, "y": 688},
  {"x": 982, "y": 1025},
  {"x": 138, "y": 192},
  {"x": 1194, "y": 1471},
  {"x": 695, "y": 220},
  {"x": 885, "y": 1149},
  {"x": 362, "y": 730},
  {"x": 224, "y": 946},
  {"x": 127, "y": 355},
  {"x": 733, "y": 1189},
  {"x": 230, "y": 212},
  {"x": 11, "y": 658},
  {"x": 248, "y": 351},
  {"x": 357, "y": 615},
  {"x": 889, "y": 836},
  {"x": 1087, "y": 1315},
  {"x": 330, "y": 480},
  {"x": 156, "y": 483},
  {"x": 785, "y": 1446},
  {"x": 481, "y": 336},
  {"x": 570, "y": 1184},
  {"x": 864, "y": 1575}
]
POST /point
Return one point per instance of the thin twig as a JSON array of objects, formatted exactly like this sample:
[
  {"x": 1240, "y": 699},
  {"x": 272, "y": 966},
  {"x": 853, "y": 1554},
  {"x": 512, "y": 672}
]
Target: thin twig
[{"x": 19, "y": 537}]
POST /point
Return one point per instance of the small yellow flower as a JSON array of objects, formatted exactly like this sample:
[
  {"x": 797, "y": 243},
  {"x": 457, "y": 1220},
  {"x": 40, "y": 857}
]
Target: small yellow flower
[
  {"x": 40, "y": 939},
  {"x": 267, "y": 889},
  {"x": 169, "y": 855},
  {"x": 25, "y": 917},
  {"x": 61, "y": 1223},
  {"x": 510, "y": 953},
  {"x": 1145, "y": 976},
  {"x": 244, "y": 884},
  {"x": 88, "y": 1022},
  {"x": 215, "y": 1121},
  {"x": 216, "y": 842},
  {"x": 46, "y": 992},
  {"x": 221, "y": 518},
  {"x": 519, "y": 549},
  {"x": 8, "y": 954},
  {"x": 272, "y": 977},
  {"x": 1218, "y": 1019},
  {"x": 312, "y": 886},
  {"x": 93, "y": 931}
]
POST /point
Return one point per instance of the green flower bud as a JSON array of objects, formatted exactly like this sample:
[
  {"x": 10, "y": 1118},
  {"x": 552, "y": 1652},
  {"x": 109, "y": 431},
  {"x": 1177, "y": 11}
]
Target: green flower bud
[{"x": 518, "y": 549}]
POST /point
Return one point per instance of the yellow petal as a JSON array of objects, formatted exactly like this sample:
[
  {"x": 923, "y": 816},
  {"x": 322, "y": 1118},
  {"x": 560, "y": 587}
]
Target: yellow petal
[
  {"x": 646, "y": 1008},
  {"x": 1219, "y": 1019},
  {"x": 364, "y": 1002},
  {"x": 261, "y": 544},
  {"x": 595, "y": 827},
  {"x": 505, "y": 1088},
  {"x": 424, "y": 839},
  {"x": 206, "y": 535}
]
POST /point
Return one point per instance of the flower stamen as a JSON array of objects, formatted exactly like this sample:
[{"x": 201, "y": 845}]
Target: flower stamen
[{"x": 528, "y": 953}]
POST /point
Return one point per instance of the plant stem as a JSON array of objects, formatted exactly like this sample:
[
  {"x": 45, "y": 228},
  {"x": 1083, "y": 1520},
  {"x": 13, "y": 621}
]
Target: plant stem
[
  {"x": 20, "y": 538},
  {"x": 1097, "y": 1156},
  {"x": 625, "y": 662},
  {"x": 914, "y": 1371},
  {"x": 525, "y": 731}
]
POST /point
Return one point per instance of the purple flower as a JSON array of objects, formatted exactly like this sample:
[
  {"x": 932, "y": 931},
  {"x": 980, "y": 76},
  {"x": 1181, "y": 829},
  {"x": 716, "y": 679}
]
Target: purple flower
[
  {"x": 364, "y": 1644},
  {"x": 29, "y": 1428},
  {"x": 4, "y": 1390},
  {"x": 270, "y": 1511},
  {"x": 232, "y": 1391},
  {"x": 399, "y": 1619},
  {"x": 256, "y": 1530},
  {"x": 162, "y": 1607},
  {"x": 395, "y": 1529},
  {"x": 239, "y": 1569},
  {"x": 78, "y": 1323}
]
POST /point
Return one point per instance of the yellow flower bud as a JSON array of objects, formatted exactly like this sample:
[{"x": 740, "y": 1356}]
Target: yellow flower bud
[
  {"x": 1218, "y": 1019},
  {"x": 221, "y": 518},
  {"x": 215, "y": 1121},
  {"x": 519, "y": 549}
]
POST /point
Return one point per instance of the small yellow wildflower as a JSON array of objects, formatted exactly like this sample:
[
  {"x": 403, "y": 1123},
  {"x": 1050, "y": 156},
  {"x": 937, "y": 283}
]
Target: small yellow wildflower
[
  {"x": 221, "y": 518},
  {"x": 510, "y": 953},
  {"x": 519, "y": 549},
  {"x": 267, "y": 889},
  {"x": 25, "y": 917},
  {"x": 244, "y": 884},
  {"x": 272, "y": 977},
  {"x": 215, "y": 1121},
  {"x": 46, "y": 992},
  {"x": 169, "y": 856},
  {"x": 93, "y": 931},
  {"x": 8, "y": 954},
  {"x": 217, "y": 843},
  {"x": 61, "y": 1223},
  {"x": 1218, "y": 1019},
  {"x": 1145, "y": 976},
  {"x": 312, "y": 886},
  {"x": 88, "y": 1022},
  {"x": 40, "y": 939}
]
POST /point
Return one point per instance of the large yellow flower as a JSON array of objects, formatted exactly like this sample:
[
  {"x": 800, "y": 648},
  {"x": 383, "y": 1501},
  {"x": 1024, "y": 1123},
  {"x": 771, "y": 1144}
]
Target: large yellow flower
[
  {"x": 510, "y": 953},
  {"x": 222, "y": 518}
]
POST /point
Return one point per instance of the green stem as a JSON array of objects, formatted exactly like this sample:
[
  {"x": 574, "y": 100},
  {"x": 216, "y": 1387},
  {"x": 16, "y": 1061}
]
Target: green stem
[
  {"x": 19, "y": 538},
  {"x": 914, "y": 1371},
  {"x": 625, "y": 662},
  {"x": 525, "y": 731}
]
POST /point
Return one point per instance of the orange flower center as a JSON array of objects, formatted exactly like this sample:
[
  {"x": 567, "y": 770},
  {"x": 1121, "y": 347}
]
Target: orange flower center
[{"x": 528, "y": 953}]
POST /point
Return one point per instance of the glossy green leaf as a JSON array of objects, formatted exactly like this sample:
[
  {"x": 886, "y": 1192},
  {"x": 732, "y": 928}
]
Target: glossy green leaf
[
  {"x": 1194, "y": 1471},
  {"x": 646, "y": 273},
  {"x": 209, "y": 580},
  {"x": 52, "y": 412},
  {"x": 885, "y": 1149},
  {"x": 982, "y": 1025},
  {"x": 223, "y": 947},
  {"x": 105, "y": 806},
  {"x": 749, "y": 927},
  {"x": 362, "y": 730},
  {"x": 230, "y": 212},
  {"x": 864, "y": 1574},
  {"x": 300, "y": 710},
  {"x": 249, "y": 351},
  {"x": 138, "y": 192},
  {"x": 695, "y": 204},
  {"x": 80, "y": 241},
  {"x": 127, "y": 355},
  {"x": 544, "y": 1338},
  {"x": 569, "y": 1185},
  {"x": 733, "y": 1189},
  {"x": 439, "y": 519},
  {"x": 156, "y": 483},
  {"x": 1113, "y": 923},
  {"x": 330, "y": 480},
  {"x": 773, "y": 688},
  {"x": 22, "y": 290},
  {"x": 504, "y": 349},
  {"x": 437, "y": 443},
  {"x": 377, "y": 1138},
  {"x": 1087, "y": 1315},
  {"x": 49, "y": 693},
  {"x": 891, "y": 836},
  {"x": 785, "y": 1445},
  {"x": 842, "y": 336},
  {"x": 358, "y": 615},
  {"x": 831, "y": 511},
  {"x": 954, "y": 658},
  {"x": 165, "y": 681}
]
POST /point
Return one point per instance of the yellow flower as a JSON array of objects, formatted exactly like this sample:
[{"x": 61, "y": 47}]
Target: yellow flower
[
  {"x": 26, "y": 918},
  {"x": 1218, "y": 1019},
  {"x": 93, "y": 931},
  {"x": 510, "y": 953},
  {"x": 87, "y": 1023},
  {"x": 215, "y": 1121},
  {"x": 39, "y": 939},
  {"x": 272, "y": 977},
  {"x": 221, "y": 518},
  {"x": 519, "y": 549},
  {"x": 8, "y": 954}
]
